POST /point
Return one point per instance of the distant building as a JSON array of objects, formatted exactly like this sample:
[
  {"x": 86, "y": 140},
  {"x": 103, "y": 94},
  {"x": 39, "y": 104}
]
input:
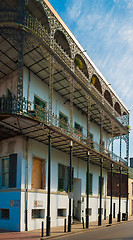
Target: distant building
[{"x": 59, "y": 119}]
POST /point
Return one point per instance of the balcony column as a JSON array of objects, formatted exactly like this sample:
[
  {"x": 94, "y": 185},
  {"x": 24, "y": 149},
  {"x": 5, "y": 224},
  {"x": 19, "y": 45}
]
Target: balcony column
[
  {"x": 100, "y": 205},
  {"x": 48, "y": 194},
  {"x": 20, "y": 64},
  {"x": 127, "y": 198},
  {"x": 101, "y": 132},
  {"x": 51, "y": 67},
  {"x": 71, "y": 104},
  {"x": 70, "y": 187},
  {"x": 120, "y": 147},
  {"x": 119, "y": 213},
  {"x": 111, "y": 186},
  {"x": 88, "y": 187},
  {"x": 88, "y": 118}
]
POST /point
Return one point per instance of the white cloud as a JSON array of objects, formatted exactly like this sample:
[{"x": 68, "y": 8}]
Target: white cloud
[{"x": 107, "y": 34}]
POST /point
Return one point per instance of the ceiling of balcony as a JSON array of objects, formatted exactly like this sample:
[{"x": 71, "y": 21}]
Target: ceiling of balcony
[{"x": 38, "y": 60}]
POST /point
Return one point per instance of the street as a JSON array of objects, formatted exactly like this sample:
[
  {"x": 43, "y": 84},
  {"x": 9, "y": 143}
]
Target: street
[{"x": 117, "y": 232}]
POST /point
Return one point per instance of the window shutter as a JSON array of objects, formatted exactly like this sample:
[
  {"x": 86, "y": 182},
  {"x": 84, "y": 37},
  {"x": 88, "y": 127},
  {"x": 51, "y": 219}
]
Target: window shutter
[{"x": 12, "y": 170}]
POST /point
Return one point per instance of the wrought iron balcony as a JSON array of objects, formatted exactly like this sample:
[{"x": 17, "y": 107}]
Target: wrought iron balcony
[{"x": 9, "y": 105}]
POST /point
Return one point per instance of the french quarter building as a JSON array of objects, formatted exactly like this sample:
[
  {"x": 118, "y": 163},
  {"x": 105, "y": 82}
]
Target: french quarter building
[{"x": 59, "y": 119}]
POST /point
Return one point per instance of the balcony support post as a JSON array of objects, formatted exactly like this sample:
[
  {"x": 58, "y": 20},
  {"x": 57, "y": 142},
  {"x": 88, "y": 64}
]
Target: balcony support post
[
  {"x": 87, "y": 194},
  {"x": 101, "y": 132},
  {"x": 101, "y": 186},
  {"x": 71, "y": 104},
  {"x": 111, "y": 186},
  {"x": 48, "y": 194},
  {"x": 88, "y": 118},
  {"x": 51, "y": 66},
  {"x": 70, "y": 187}
]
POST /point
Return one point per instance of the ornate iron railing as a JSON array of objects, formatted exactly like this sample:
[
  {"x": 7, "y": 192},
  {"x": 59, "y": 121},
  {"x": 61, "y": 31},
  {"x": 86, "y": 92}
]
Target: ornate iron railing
[
  {"x": 62, "y": 54},
  {"x": 8, "y": 104}
]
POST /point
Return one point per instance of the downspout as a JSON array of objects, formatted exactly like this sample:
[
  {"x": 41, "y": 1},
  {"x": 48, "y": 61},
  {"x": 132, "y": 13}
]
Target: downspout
[{"x": 26, "y": 185}]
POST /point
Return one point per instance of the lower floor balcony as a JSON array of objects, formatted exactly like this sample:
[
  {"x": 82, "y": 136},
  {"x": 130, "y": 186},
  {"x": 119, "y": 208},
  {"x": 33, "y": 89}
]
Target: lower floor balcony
[{"x": 37, "y": 122}]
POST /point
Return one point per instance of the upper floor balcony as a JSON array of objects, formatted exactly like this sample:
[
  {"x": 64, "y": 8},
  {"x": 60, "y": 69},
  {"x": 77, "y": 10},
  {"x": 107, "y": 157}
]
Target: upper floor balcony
[{"x": 32, "y": 110}]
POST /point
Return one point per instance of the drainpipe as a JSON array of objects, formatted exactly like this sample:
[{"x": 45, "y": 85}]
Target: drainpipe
[
  {"x": 26, "y": 185},
  {"x": 119, "y": 214},
  {"x": 127, "y": 199},
  {"x": 100, "y": 207},
  {"x": 48, "y": 195},
  {"x": 88, "y": 186},
  {"x": 111, "y": 186},
  {"x": 70, "y": 187}
]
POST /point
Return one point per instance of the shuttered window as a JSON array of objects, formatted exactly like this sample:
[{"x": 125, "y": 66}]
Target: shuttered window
[
  {"x": 63, "y": 178},
  {"x": 40, "y": 107},
  {"x": 78, "y": 127},
  {"x": 8, "y": 171},
  {"x": 63, "y": 121}
]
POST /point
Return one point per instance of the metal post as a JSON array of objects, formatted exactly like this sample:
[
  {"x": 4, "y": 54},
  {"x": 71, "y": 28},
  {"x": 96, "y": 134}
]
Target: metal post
[
  {"x": 70, "y": 187},
  {"x": 87, "y": 194},
  {"x": 119, "y": 214},
  {"x": 127, "y": 199},
  {"x": 100, "y": 207},
  {"x": 83, "y": 222},
  {"x": 48, "y": 196},
  {"x": 111, "y": 185},
  {"x": 42, "y": 228},
  {"x": 65, "y": 225}
]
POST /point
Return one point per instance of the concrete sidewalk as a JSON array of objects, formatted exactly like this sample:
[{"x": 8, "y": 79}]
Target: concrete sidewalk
[{"x": 56, "y": 231}]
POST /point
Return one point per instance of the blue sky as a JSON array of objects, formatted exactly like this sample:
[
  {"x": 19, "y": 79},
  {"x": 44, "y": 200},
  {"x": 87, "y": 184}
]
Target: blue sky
[{"x": 105, "y": 29}]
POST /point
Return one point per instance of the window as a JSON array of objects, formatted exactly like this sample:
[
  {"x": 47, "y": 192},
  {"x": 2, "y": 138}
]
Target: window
[
  {"x": 89, "y": 211},
  {"x": 78, "y": 127},
  {"x": 102, "y": 184},
  {"x": 8, "y": 167},
  {"x": 37, "y": 213},
  {"x": 40, "y": 107},
  {"x": 90, "y": 183},
  {"x": 4, "y": 213},
  {"x": 101, "y": 211},
  {"x": 63, "y": 178},
  {"x": 61, "y": 212},
  {"x": 91, "y": 140},
  {"x": 63, "y": 121},
  {"x": 38, "y": 174}
]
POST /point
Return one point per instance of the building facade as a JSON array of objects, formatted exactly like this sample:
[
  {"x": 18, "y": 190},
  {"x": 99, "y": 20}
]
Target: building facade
[{"x": 59, "y": 118}]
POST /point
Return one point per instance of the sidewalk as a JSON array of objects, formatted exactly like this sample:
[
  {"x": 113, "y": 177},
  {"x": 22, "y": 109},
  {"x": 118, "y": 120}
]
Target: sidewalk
[
  {"x": 56, "y": 231},
  {"x": 77, "y": 228}
]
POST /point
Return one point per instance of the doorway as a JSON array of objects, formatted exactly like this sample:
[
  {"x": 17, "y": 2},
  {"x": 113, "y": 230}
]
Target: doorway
[{"x": 77, "y": 199}]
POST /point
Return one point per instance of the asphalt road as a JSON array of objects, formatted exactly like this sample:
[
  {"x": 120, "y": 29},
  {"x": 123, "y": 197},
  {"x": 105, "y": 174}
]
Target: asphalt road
[{"x": 117, "y": 232}]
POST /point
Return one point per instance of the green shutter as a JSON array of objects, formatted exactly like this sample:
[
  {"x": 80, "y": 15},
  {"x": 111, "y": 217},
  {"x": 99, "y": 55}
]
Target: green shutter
[{"x": 12, "y": 170}]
